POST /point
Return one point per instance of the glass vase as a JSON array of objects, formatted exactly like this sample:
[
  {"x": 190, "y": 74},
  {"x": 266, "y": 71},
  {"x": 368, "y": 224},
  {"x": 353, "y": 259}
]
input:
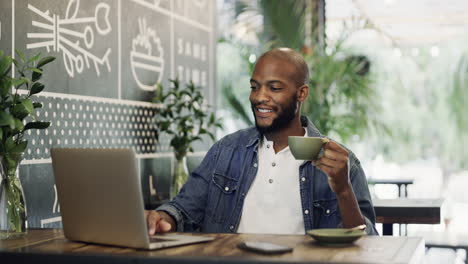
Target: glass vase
[
  {"x": 180, "y": 175},
  {"x": 12, "y": 202}
]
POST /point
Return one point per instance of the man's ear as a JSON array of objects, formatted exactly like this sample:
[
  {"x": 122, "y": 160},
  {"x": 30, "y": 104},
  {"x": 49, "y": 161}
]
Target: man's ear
[{"x": 302, "y": 93}]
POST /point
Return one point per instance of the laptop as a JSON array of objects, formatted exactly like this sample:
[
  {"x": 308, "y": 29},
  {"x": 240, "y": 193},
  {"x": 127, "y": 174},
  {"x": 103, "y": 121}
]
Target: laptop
[{"x": 101, "y": 201}]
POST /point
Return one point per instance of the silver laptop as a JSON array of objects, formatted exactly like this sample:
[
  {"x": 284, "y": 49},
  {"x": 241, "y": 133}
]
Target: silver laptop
[{"x": 101, "y": 201}]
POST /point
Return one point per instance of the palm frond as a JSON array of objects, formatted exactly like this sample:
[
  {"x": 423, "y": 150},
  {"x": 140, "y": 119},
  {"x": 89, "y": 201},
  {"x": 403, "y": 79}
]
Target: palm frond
[{"x": 235, "y": 104}]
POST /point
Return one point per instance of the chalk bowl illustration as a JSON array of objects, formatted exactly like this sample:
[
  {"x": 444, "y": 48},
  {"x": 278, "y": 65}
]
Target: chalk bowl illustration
[{"x": 146, "y": 57}]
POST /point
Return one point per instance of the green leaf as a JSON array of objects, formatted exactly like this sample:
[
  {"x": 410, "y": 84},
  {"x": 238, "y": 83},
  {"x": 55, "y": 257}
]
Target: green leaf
[
  {"x": 19, "y": 82},
  {"x": 19, "y": 126},
  {"x": 158, "y": 98},
  {"x": 196, "y": 138},
  {"x": 36, "y": 75},
  {"x": 9, "y": 144},
  {"x": 35, "y": 58},
  {"x": 17, "y": 64},
  {"x": 28, "y": 105},
  {"x": 45, "y": 61},
  {"x": 20, "y": 55},
  {"x": 36, "y": 125},
  {"x": 21, "y": 147},
  {"x": 165, "y": 125},
  {"x": 37, "y": 105},
  {"x": 202, "y": 131},
  {"x": 19, "y": 111},
  {"x": 212, "y": 119},
  {"x": 16, "y": 98},
  {"x": 11, "y": 161},
  {"x": 211, "y": 136},
  {"x": 36, "y": 70},
  {"x": 5, "y": 87},
  {"x": 36, "y": 88},
  {"x": 5, "y": 65},
  {"x": 6, "y": 119}
]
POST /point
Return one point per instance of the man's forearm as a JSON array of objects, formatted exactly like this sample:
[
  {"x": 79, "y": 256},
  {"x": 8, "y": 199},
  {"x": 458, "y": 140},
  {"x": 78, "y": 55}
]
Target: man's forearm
[{"x": 349, "y": 209}]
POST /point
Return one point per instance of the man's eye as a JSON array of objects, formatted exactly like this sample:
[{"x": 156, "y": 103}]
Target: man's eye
[
  {"x": 276, "y": 88},
  {"x": 253, "y": 87}
]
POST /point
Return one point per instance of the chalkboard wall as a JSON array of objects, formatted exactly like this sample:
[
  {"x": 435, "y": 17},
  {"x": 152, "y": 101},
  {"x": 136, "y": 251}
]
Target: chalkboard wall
[{"x": 110, "y": 53}]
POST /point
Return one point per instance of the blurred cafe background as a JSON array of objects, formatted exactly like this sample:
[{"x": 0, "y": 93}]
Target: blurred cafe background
[{"x": 389, "y": 79}]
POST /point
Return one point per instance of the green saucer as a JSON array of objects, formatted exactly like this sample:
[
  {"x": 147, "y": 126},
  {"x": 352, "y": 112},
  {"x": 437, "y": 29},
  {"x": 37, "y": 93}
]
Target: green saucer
[{"x": 335, "y": 236}]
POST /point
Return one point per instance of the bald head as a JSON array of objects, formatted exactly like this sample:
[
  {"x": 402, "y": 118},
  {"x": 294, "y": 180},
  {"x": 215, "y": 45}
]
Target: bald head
[{"x": 301, "y": 75}]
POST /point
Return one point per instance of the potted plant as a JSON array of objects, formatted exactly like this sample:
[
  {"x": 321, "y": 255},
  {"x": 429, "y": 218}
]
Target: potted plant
[
  {"x": 183, "y": 118},
  {"x": 17, "y": 115}
]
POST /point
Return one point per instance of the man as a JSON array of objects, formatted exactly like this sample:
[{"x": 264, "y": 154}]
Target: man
[{"x": 249, "y": 181}]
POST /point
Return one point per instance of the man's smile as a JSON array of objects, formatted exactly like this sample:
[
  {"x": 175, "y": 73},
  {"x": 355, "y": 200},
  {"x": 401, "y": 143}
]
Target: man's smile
[{"x": 263, "y": 111}]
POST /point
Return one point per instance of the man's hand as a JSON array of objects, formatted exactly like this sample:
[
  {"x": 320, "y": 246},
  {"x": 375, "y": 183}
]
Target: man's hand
[
  {"x": 159, "y": 222},
  {"x": 334, "y": 163}
]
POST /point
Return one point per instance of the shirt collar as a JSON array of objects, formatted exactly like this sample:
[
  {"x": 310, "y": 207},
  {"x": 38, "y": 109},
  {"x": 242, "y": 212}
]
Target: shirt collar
[{"x": 311, "y": 131}]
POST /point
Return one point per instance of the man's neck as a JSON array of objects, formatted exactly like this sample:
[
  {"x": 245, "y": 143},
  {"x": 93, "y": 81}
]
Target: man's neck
[{"x": 280, "y": 137}]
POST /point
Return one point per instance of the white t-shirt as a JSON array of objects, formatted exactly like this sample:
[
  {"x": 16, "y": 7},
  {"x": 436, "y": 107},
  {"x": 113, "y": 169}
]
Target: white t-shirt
[{"x": 273, "y": 202}]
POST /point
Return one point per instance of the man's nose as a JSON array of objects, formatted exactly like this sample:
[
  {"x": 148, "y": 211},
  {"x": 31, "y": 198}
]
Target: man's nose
[{"x": 262, "y": 94}]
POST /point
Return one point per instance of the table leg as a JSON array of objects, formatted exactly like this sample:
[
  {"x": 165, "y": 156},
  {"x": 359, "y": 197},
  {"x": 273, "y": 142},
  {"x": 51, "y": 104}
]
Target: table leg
[
  {"x": 387, "y": 229},
  {"x": 466, "y": 256},
  {"x": 403, "y": 228}
]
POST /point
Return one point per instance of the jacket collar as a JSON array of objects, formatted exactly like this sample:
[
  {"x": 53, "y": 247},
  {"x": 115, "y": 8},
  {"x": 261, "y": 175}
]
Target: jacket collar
[{"x": 312, "y": 131}]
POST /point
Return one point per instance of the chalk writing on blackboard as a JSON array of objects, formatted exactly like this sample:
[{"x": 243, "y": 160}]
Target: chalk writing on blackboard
[
  {"x": 55, "y": 33},
  {"x": 55, "y": 210}
]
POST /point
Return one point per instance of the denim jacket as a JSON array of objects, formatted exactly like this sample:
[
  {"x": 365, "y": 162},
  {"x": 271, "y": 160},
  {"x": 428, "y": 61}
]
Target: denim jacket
[{"x": 212, "y": 198}]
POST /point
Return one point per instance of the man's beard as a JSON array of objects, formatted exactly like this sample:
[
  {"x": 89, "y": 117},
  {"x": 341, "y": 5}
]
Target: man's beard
[{"x": 284, "y": 118}]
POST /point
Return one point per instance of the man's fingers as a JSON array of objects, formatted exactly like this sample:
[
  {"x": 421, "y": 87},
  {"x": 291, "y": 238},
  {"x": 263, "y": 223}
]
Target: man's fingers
[
  {"x": 326, "y": 169},
  {"x": 329, "y": 162},
  {"x": 164, "y": 226},
  {"x": 335, "y": 146},
  {"x": 334, "y": 155},
  {"x": 156, "y": 223},
  {"x": 152, "y": 219}
]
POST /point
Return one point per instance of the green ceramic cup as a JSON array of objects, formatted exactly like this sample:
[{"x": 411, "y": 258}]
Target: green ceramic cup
[{"x": 306, "y": 148}]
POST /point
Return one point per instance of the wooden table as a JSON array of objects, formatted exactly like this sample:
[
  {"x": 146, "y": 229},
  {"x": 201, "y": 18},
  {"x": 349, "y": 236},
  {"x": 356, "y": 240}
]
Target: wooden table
[
  {"x": 49, "y": 246},
  {"x": 406, "y": 211},
  {"x": 397, "y": 182}
]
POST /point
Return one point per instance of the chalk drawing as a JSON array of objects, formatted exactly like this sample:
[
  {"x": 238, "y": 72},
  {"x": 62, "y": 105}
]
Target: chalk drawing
[
  {"x": 75, "y": 45},
  {"x": 146, "y": 56}
]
